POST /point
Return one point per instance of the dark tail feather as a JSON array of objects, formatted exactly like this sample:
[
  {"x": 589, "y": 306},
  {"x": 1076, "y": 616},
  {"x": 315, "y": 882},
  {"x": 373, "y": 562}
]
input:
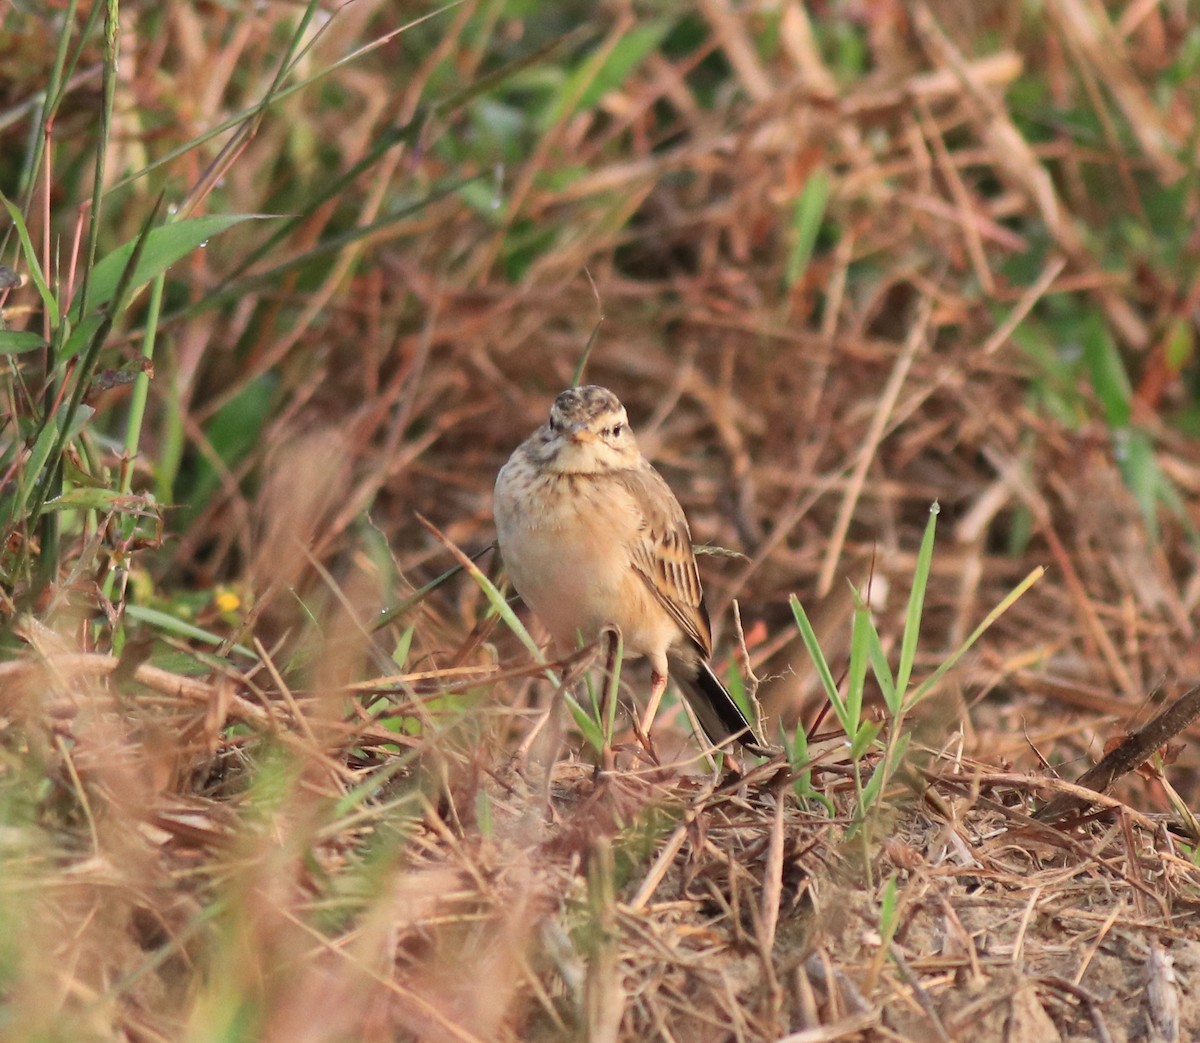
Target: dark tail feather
[{"x": 718, "y": 714}]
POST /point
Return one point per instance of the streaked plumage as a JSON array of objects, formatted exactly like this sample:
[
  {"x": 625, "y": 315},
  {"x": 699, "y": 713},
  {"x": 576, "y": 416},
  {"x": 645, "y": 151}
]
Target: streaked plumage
[{"x": 592, "y": 535}]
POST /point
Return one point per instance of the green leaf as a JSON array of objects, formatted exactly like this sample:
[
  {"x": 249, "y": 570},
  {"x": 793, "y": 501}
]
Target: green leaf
[
  {"x": 1109, "y": 379},
  {"x": 867, "y": 733},
  {"x": 13, "y": 342},
  {"x": 164, "y": 247},
  {"x": 800, "y": 757},
  {"x": 808, "y": 212}
]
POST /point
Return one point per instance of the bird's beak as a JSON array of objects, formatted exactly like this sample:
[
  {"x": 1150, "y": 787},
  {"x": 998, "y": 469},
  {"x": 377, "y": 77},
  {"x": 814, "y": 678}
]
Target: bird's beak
[{"x": 579, "y": 433}]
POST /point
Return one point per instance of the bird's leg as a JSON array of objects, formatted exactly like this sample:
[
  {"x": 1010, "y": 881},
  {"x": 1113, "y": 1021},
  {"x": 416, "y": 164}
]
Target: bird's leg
[{"x": 658, "y": 685}]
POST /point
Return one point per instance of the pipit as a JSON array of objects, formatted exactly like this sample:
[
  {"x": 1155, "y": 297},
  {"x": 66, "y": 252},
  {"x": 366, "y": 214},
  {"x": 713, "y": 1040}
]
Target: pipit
[{"x": 592, "y": 537}]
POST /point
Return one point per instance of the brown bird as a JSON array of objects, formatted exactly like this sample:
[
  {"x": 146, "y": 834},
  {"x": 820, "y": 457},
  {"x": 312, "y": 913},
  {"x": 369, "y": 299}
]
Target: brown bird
[{"x": 593, "y": 536}]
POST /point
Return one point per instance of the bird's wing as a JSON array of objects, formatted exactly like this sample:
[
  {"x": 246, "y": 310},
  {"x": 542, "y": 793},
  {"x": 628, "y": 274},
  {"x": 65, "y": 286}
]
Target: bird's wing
[{"x": 662, "y": 553}]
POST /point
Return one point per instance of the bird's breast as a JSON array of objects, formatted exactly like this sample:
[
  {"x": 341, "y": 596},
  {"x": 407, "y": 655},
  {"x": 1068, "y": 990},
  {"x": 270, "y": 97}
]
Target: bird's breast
[{"x": 565, "y": 540}]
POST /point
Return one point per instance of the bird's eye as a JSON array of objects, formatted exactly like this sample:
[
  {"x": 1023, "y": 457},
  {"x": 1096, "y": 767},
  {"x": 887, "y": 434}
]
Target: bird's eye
[{"x": 617, "y": 429}]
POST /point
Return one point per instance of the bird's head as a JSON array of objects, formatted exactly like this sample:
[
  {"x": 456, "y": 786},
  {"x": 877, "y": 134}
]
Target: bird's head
[{"x": 588, "y": 432}]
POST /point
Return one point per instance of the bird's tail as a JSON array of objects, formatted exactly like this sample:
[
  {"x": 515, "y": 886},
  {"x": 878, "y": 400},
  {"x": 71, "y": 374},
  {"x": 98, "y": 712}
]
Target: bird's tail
[{"x": 719, "y": 715}]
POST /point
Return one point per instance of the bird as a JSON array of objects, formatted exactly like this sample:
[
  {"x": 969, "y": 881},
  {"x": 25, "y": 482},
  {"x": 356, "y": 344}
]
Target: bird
[{"x": 592, "y": 537}]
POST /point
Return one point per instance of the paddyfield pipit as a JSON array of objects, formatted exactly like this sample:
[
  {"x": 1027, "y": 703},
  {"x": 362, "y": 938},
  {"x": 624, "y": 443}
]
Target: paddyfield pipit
[{"x": 593, "y": 536}]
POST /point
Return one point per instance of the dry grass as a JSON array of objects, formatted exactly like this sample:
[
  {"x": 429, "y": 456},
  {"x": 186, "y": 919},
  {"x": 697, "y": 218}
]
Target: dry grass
[{"x": 849, "y": 263}]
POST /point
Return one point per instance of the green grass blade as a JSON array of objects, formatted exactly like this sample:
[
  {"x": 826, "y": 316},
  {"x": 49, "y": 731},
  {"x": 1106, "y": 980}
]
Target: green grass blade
[
  {"x": 1138, "y": 462},
  {"x": 856, "y": 676},
  {"x": 35, "y": 467},
  {"x": 808, "y": 212},
  {"x": 420, "y": 594},
  {"x": 629, "y": 52},
  {"x": 141, "y": 386},
  {"x": 883, "y": 672},
  {"x": 613, "y": 690},
  {"x": 112, "y": 48},
  {"x": 873, "y": 790},
  {"x": 818, "y": 658},
  {"x": 888, "y": 909},
  {"x": 50, "y": 481},
  {"x": 403, "y": 646},
  {"x": 916, "y": 604},
  {"x": 586, "y": 723},
  {"x": 170, "y": 624},
  {"x": 495, "y": 597},
  {"x": 49, "y": 301},
  {"x": 498, "y": 77},
  {"x": 975, "y": 634},
  {"x": 1110, "y": 380}
]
